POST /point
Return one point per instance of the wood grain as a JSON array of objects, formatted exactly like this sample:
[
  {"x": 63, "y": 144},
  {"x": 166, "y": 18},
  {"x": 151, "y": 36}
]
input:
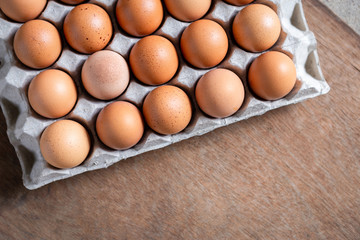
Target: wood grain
[{"x": 293, "y": 173}]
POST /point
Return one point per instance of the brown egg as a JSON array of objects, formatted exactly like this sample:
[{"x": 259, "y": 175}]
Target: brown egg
[
  {"x": 219, "y": 93},
  {"x": 22, "y": 10},
  {"x": 120, "y": 125},
  {"x": 65, "y": 144},
  {"x": 272, "y": 75},
  {"x": 72, "y": 2},
  {"x": 167, "y": 109},
  {"x": 188, "y": 10},
  {"x": 88, "y": 28},
  {"x": 52, "y": 93},
  {"x": 105, "y": 75},
  {"x": 139, "y": 17},
  {"x": 256, "y": 28},
  {"x": 154, "y": 60},
  {"x": 239, "y": 2},
  {"x": 204, "y": 43},
  {"x": 37, "y": 44}
]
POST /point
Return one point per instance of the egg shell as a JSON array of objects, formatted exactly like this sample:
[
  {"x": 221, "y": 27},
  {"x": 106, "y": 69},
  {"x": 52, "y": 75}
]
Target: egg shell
[
  {"x": 219, "y": 93},
  {"x": 22, "y": 10},
  {"x": 37, "y": 44},
  {"x": 139, "y": 17},
  {"x": 105, "y": 75},
  {"x": 188, "y": 10},
  {"x": 65, "y": 144},
  {"x": 167, "y": 109},
  {"x": 204, "y": 43},
  {"x": 239, "y": 2},
  {"x": 52, "y": 93},
  {"x": 88, "y": 28},
  {"x": 272, "y": 75},
  {"x": 120, "y": 125},
  {"x": 72, "y": 2},
  {"x": 256, "y": 28},
  {"x": 154, "y": 60}
]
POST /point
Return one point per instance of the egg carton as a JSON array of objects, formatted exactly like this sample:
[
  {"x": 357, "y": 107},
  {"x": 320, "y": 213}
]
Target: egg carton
[{"x": 24, "y": 126}]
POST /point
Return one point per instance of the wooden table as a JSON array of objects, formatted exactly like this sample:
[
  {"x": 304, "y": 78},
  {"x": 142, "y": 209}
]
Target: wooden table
[{"x": 293, "y": 173}]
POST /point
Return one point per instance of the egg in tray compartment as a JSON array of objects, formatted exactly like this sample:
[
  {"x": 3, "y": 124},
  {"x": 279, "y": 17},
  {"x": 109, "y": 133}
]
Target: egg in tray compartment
[{"x": 124, "y": 83}]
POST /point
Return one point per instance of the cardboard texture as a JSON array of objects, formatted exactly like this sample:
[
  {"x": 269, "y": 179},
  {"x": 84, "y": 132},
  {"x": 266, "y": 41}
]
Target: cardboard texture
[{"x": 25, "y": 126}]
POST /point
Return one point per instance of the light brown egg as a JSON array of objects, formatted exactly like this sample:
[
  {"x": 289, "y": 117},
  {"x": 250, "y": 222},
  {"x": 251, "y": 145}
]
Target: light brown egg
[
  {"x": 272, "y": 75},
  {"x": 219, "y": 93},
  {"x": 188, "y": 10},
  {"x": 239, "y": 2},
  {"x": 204, "y": 43},
  {"x": 65, "y": 144},
  {"x": 105, "y": 75},
  {"x": 256, "y": 28},
  {"x": 139, "y": 17},
  {"x": 167, "y": 109},
  {"x": 88, "y": 28},
  {"x": 72, "y": 2},
  {"x": 37, "y": 44},
  {"x": 120, "y": 125},
  {"x": 52, "y": 93},
  {"x": 22, "y": 10},
  {"x": 154, "y": 60}
]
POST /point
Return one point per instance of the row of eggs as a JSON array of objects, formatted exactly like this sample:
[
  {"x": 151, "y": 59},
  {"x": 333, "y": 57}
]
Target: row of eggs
[
  {"x": 184, "y": 10},
  {"x": 87, "y": 28}
]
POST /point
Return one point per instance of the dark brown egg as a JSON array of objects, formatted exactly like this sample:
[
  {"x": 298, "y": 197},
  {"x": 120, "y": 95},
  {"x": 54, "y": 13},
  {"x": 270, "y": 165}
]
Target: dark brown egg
[{"x": 88, "y": 28}]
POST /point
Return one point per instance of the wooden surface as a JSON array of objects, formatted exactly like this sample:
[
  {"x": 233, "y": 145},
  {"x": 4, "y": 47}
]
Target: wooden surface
[{"x": 293, "y": 173}]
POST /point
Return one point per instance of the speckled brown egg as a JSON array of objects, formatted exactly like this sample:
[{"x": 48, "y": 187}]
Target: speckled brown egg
[
  {"x": 22, "y": 10},
  {"x": 272, "y": 75},
  {"x": 204, "y": 43},
  {"x": 37, "y": 44},
  {"x": 73, "y": 2},
  {"x": 120, "y": 125},
  {"x": 105, "y": 75},
  {"x": 167, "y": 109},
  {"x": 52, "y": 93},
  {"x": 65, "y": 144},
  {"x": 239, "y": 2},
  {"x": 139, "y": 17},
  {"x": 219, "y": 93},
  {"x": 88, "y": 28},
  {"x": 256, "y": 28},
  {"x": 188, "y": 10},
  {"x": 154, "y": 60}
]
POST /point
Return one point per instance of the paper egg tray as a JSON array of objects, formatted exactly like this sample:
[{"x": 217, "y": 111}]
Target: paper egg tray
[{"x": 24, "y": 126}]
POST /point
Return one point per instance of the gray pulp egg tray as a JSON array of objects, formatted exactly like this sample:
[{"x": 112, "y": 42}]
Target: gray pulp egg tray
[{"x": 24, "y": 126}]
